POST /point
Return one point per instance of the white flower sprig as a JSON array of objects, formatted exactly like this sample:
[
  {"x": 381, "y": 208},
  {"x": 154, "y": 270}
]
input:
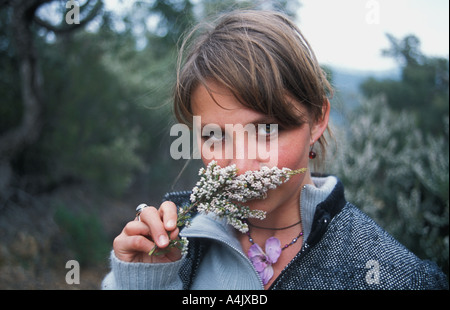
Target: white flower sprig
[{"x": 222, "y": 192}]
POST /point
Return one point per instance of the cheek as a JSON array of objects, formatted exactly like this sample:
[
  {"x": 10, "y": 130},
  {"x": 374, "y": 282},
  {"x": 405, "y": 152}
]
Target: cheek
[{"x": 293, "y": 151}]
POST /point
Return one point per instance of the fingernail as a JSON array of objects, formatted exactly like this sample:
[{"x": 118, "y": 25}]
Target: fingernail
[
  {"x": 170, "y": 223},
  {"x": 163, "y": 240}
]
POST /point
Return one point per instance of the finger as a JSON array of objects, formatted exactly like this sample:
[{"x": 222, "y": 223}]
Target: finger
[
  {"x": 136, "y": 228},
  {"x": 152, "y": 218},
  {"x": 140, "y": 228},
  {"x": 168, "y": 211},
  {"x": 130, "y": 244},
  {"x": 174, "y": 234}
]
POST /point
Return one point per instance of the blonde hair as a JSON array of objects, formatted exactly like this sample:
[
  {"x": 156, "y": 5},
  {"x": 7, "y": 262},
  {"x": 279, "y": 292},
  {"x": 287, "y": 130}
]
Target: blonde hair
[{"x": 263, "y": 59}]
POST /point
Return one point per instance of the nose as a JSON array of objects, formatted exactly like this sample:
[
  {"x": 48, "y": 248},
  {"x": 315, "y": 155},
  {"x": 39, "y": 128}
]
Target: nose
[
  {"x": 244, "y": 148},
  {"x": 248, "y": 151}
]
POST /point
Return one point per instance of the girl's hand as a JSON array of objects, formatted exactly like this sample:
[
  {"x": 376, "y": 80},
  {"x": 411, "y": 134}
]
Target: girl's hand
[{"x": 139, "y": 237}]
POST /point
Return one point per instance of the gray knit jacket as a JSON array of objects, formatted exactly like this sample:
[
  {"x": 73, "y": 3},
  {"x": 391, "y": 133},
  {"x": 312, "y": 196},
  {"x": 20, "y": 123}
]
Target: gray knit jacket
[{"x": 342, "y": 249}]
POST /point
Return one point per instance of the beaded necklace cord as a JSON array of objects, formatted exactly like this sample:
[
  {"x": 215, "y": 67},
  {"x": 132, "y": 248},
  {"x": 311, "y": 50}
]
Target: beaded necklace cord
[
  {"x": 283, "y": 247},
  {"x": 281, "y": 228}
]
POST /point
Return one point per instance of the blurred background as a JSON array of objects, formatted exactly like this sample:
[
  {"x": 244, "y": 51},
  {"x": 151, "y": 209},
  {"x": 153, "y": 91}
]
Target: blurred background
[{"x": 85, "y": 114}]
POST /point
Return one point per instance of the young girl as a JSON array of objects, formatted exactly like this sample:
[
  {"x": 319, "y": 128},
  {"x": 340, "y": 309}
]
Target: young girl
[{"x": 255, "y": 67}]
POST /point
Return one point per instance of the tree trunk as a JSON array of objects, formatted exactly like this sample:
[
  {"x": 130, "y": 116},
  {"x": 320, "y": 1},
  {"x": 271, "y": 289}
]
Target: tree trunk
[{"x": 27, "y": 132}]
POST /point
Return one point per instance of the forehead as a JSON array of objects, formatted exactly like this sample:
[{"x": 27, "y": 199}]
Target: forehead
[{"x": 216, "y": 104}]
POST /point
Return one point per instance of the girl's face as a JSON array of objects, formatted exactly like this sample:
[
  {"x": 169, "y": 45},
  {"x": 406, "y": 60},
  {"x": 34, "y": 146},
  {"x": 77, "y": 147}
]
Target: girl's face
[{"x": 284, "y": 147}]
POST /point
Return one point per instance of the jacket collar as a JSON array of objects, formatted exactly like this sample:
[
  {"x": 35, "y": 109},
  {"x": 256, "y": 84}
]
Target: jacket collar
[
  {"x": 210, "y": 227},
  {"x": 311, "y": 196},
  {"x": 325, "y": 212}
]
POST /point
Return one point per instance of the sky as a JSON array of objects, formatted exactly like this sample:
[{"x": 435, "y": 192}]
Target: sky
[{"x": 351, "y": 33}]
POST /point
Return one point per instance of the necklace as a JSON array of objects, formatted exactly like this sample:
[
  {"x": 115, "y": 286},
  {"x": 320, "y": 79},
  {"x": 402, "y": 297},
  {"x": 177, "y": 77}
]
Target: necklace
[
  {"x": 283, "y": 247},
  {"x": 271, "y": 228},
  {"x": 263, "y": 261}
]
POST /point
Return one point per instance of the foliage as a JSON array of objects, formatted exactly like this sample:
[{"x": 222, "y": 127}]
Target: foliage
[
  {"x": 106, "y": 98},
  {"x": 212, "y": 7},
  {"x": 394, "y": 154},
  {"x": 89, "y": 127},
  {"x": 397, "y": 175},
  {"x": 83, "y": 234},
  {"x": 423, "y": 88},
  {"x": 99, "y": 124}
]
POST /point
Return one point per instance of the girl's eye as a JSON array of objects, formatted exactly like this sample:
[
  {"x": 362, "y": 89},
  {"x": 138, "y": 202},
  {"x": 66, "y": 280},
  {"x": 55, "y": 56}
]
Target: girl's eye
[{"x": 267, "y": 129}]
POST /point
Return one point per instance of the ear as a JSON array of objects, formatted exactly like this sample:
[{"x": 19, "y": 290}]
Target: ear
[{"x": 318, "y": 128}]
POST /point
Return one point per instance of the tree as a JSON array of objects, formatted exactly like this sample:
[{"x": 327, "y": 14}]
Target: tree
[
  {"x": 423, "y": 88},
  {"x": 22, "y": 16},
  {"x": 398, "y": 175},
  {"x": 213, "y": 7},
  {"x": 396, "y": 159}
]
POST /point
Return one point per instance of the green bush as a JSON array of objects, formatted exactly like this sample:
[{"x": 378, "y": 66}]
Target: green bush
[
  {"x": 83, "y": 235},
  {"x": 397, "y": 175}
]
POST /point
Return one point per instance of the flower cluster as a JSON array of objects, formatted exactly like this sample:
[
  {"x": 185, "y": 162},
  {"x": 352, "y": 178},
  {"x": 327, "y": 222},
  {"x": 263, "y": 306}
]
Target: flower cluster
[{"x": 222, "y": 192}]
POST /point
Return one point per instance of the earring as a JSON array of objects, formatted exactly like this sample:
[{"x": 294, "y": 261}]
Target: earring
[{"x": 312, "y": 154}]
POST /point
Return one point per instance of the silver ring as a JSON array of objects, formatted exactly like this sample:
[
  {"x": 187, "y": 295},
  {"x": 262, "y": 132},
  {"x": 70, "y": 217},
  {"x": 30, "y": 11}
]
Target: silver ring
[{"x": 139, "y": 209}]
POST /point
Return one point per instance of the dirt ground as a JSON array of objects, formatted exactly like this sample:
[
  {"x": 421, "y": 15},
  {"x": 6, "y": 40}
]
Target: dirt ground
[
  {"x": 34, "y": 247},
  {"x": 20, "y": 278}
]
